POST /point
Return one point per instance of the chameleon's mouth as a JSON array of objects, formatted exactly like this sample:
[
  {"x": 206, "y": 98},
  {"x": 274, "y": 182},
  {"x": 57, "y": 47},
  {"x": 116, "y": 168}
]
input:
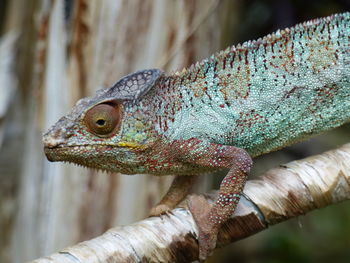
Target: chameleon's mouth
[
  {"x": 56, "y": 154},
  {"x": 120, "y": 160},
  {"x": 65, "y": 154},
  {"x": 82, "y": 155}
]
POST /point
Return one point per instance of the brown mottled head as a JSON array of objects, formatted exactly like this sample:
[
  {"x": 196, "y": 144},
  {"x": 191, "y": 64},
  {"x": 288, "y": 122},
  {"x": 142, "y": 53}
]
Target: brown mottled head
[{"x": 105, "y": 125}]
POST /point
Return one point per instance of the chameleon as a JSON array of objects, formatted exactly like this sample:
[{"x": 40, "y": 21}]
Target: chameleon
[{"x": 242, "y": 102}]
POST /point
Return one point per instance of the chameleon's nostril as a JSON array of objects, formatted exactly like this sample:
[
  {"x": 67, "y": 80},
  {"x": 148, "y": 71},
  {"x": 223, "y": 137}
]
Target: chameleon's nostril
[
  {"x": 55, "y": 137},
  {"x": 51, "y": 142}
]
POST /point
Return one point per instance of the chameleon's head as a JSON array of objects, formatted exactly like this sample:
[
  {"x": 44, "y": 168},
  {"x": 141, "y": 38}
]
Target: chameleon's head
[{"x": 109, "y": 131}]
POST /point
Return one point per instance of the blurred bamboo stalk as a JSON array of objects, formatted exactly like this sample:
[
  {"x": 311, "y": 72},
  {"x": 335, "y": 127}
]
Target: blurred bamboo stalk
[{"x": 278, "y": 195}]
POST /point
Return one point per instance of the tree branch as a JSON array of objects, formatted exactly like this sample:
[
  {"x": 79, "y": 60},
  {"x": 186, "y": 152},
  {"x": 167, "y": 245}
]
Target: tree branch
[{"x": 281, "y": 193}]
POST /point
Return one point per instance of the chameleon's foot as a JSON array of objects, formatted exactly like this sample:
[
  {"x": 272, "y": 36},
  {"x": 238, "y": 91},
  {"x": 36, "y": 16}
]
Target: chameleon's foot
[
  {"x": 160, "y": 209},
  {"x": 207, "y": 233},
  {"x": 176, "y": 193}
]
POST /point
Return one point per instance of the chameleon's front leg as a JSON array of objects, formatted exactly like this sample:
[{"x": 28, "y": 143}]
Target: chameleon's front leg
[
  {"x": 178, "y": 190},
  {"x": 208, "y": 218}
]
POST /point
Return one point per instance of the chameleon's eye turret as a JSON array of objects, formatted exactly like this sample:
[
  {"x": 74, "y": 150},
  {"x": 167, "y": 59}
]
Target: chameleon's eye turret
[{"x": 103, "y": 120}]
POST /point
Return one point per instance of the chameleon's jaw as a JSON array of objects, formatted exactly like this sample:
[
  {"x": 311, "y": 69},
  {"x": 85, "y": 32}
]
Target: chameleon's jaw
[
  {"x": 100, "y": 157},
  {"x": 59, "y": 154},
  {"x": 76, "y": 154},
  {"x": 67, "y": 154}
]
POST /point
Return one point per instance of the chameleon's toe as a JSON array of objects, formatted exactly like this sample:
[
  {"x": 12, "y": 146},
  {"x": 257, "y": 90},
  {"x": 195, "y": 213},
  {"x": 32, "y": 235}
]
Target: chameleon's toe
[
  {"x": 160, "y": 209},
  {"x": 207, "y": 233}
]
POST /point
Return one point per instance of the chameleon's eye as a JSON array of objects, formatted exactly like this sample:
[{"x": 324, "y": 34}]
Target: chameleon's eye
[{"x": 103, "y": 119}]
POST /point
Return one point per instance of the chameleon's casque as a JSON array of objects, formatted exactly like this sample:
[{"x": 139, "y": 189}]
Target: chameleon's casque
[{"x": 249, "y": 99}]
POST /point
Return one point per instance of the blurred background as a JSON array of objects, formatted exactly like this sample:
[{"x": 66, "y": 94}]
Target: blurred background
[{"x": 53, "y": 52}]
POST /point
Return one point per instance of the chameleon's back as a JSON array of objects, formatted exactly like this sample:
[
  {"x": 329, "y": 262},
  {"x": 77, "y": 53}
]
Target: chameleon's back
[{"x": 269, "y": 93}]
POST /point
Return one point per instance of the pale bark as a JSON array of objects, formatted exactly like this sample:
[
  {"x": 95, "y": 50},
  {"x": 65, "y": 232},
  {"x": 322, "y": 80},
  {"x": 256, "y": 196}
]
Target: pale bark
[
  {"x": 59, "y": 58},
  {"x": 278, "y": 195}
]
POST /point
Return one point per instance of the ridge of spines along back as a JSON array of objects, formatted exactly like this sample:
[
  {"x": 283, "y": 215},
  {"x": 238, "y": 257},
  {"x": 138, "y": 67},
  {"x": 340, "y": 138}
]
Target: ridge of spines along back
[{"x": 255, "y": 44}]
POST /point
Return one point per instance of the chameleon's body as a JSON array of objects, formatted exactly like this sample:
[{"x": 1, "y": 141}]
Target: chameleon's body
[
  {"x": 253, "y": 98},
  {"x": 264, "y": 94}
]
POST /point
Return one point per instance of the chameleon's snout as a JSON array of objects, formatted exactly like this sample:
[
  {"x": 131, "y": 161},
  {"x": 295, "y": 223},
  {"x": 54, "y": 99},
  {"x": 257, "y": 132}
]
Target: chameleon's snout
[
  {"x": 51, "y": 142},
  {"x": 54, "y": 145},
  {"x": 54, "y": 138},
  {"x": 58, "y": 134}
]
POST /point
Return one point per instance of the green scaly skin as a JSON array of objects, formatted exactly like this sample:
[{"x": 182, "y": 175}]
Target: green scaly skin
[{"x": 240, "y": 103}]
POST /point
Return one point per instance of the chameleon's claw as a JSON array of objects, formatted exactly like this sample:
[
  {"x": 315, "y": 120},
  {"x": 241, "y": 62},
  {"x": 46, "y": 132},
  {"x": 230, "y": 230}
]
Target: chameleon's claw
[
  {"x": 169, "y": 213},
  {"x": 207, "y": 233},
  {"x": 160, "y": 209},
  {"x": 179, "y": 188}
]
